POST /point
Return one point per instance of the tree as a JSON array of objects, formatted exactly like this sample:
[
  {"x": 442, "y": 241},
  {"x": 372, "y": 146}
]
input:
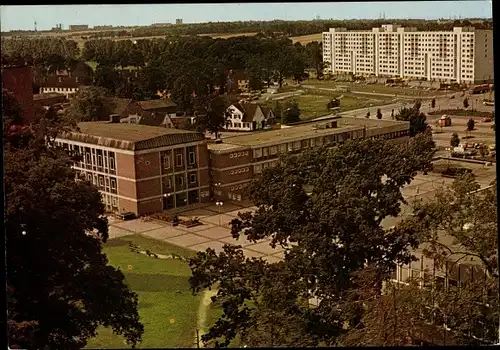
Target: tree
[
  {"x": 470, "y": 125},
  {"x": 455, "y": 140},
  {"x": 90, "y": 103},
  {"x": 291, "y": 112},
  {"x": 314, "y": 52},
  {"x": 107, "y": 77},
  {"x": 60, "y": 286},
  {"x": 379, "y": 114},
  {"x": 466, "y": 103},
  {"x": 458, "y": 225},
  {"x": 211, "y": 113},
  {"x": 416, "y": 118},
  {"x": 334, "y": 102},
  {"x": 330, "y": 228},
  {"x": 433, "y": 103}
]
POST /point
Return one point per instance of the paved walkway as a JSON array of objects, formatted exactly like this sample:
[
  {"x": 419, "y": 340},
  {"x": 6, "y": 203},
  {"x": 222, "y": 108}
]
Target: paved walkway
[{"x": 215, "y": 231}]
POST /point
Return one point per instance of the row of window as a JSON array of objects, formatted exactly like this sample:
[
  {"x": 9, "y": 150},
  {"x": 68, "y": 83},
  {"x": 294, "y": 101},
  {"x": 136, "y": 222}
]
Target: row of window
[
  {"x": 58, "y": 89},
  {"x": 102, "y": 182},
  {"x": 179, "y": 158},
  {"x": 91, "y": 158},
  {"x": 180, "y": 180}
]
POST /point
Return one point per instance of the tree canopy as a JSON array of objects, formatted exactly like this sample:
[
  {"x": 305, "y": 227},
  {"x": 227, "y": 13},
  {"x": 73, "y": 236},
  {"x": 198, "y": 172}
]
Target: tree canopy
[
  {"x": 90, "y": 103},
  {"x": 60, "y": 286},
  {"x": 325, "y": 208},
  {"x": 417, "y": 119}
]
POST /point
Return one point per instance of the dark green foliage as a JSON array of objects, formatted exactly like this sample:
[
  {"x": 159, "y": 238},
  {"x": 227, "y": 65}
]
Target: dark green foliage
[
  {"x": 325, "y": 207},
  {"x": 60, "y": 286},
  {"x": 291, "y": 112},
  {"x": 416, "y": 118},
  {"x": 455, "y": 140}
]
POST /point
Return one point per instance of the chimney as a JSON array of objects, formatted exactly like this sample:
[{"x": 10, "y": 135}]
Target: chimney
[{"x": 114, "y": 118}]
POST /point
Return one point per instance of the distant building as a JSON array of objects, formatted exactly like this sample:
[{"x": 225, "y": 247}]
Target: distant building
[
  {"x": 464, "y": 55},
  {"x": 103, "y": 27},
  {"x": 18, "y": 80},
  {"x": 78, "y": 27},
  {"x": 247, "y": 117},
  {"x": 236, "y": 160},
  {"x": 178, "y": 21},
  {"x": 141, "y": 169}
]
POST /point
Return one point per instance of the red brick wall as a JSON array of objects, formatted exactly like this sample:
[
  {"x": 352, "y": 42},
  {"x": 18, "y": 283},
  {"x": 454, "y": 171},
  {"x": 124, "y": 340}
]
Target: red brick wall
[
  {"x": 125, "y": 205},
  {"x": 150, "y": 206},
  {"x": 147, "y": 165},
  {"x": 125, "y": 165},
  {"x": 203, "y": 155},
  {"x": 148, "y": 188},
  {"x": 126, "y": 188},
  {"x": 224, "y": 160},
  {"x": 19, "y": 81}
]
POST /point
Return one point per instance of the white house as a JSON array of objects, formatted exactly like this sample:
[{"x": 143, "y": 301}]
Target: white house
[{"x": 247, "y": 117}]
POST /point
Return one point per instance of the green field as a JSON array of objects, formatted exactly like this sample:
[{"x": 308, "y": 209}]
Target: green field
[
  {"x": 314, "y": 105},
  {"x": 373, "y": 88},
  {"x": 167, "y": 308},
  {"x": 93, "y": 65}
]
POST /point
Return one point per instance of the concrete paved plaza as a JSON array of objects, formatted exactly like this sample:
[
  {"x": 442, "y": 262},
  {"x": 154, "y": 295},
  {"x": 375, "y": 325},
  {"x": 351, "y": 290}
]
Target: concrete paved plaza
[{"x": 216, "y": 231}]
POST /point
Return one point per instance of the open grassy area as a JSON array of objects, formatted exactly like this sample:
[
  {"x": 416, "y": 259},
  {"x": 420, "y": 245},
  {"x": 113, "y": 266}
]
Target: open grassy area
[
  {"x": 93, "y": 65},
  {"x": 305, "y": 39},
  {"x": 373, "y": 88},
  {"x": 314, "y": 105},
  {"x": 167, "y": 308}
]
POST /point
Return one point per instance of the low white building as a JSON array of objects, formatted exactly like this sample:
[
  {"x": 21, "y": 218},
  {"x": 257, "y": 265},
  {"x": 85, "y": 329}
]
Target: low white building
[{"x": 248, "y": 117}]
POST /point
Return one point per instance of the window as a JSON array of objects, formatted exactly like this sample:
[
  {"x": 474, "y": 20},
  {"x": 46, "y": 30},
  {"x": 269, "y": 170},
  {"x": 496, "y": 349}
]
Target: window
[
  {"x": 166, "y": 162},
  {"x": 179, "y": 160},
  {"x": 192, "y": 178},
  {"x": 265, "y": 151},
  {"x": 180, "y": 179},
  {"x": 99, "y": 160},
  {"x": 192, "y": 158},
  {"x": 273, "y": 150},
  {"x": 112, "y": 163},
  {"x": 101, "y": 181},
  {"x": 107, "y": 182},
  {"x": 113, "y": 184},
  {"x": 282, "y": 148},
  {"x": 113, "y": 201},
  {"x": 257, "y": 169},
  {"x": 257, "y": 153}
]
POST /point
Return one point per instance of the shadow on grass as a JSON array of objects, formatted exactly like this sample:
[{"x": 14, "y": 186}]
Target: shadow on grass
[
  {"x": 157, "y": 283},
  {"x": 116, "y": 242}
]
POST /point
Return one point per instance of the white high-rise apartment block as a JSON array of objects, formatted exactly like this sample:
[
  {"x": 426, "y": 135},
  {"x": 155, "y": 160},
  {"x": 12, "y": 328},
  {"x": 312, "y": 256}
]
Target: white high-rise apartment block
[{"x": 464, "y": 55}]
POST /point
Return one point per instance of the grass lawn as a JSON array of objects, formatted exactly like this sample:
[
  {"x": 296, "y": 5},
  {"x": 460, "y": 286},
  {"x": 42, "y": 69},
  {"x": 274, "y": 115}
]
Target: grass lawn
[
  {"x": 375, "y": 88},
  {"x": 167, "y": 308},
  {"x": 314, "y": 105},
  {"x": 93, "y": 65}
]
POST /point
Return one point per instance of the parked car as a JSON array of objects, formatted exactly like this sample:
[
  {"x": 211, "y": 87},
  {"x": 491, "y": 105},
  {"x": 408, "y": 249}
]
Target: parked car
[{"x": 486, "y": 119}]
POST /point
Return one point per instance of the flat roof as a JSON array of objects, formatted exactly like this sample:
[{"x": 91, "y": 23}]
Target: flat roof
[
  {"x": 308, "y": 130},
  {"x": 132, "y": 137}
]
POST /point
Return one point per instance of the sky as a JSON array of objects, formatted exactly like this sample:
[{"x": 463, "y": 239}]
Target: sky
[{"x": 47, "y": 16}]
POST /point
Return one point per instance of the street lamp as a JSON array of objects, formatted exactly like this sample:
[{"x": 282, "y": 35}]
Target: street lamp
[
  {"x": 165, "y": 203},
  {"x": 219, "y": 204}
]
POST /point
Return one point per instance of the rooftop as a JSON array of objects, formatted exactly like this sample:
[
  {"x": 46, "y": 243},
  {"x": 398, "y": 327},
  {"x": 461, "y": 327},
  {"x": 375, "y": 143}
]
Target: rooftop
[
  {"x": 308, "y": 129},
  {"x": 131, "y": 137},
  {"x": 156, "y": 104}
]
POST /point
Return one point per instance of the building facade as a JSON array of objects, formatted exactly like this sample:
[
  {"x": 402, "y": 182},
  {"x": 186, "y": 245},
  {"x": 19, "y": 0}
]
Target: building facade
[
  {"x": 18, "y": 80},
  {"x": 141, "y": 169},
  {"x": 235, "y": 161},
  {"x": 246, "y": 117},
  {"x": 464, "y": 55},
  {"x": 77, "y": 27}
]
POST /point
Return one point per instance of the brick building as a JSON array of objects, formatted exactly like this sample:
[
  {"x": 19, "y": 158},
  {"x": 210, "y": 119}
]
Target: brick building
[
  {"x": 18, "y": 80},
  {"x": 234, "y": 161},
  {"x": 141, "y": 169}
]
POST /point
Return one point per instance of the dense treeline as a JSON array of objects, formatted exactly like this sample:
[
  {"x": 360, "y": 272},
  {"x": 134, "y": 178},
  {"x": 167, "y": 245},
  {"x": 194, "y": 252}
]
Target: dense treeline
[
  {"x": 288, "y": 28},
  {"x": 183, "y": 66},
  {"x": 295, "y": 28}
]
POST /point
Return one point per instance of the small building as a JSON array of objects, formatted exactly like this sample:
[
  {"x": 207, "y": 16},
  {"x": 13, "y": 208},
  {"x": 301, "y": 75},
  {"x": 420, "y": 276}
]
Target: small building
[
  {"x": 246, "y": 117},
  {"x": 78, "y": 27}
]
